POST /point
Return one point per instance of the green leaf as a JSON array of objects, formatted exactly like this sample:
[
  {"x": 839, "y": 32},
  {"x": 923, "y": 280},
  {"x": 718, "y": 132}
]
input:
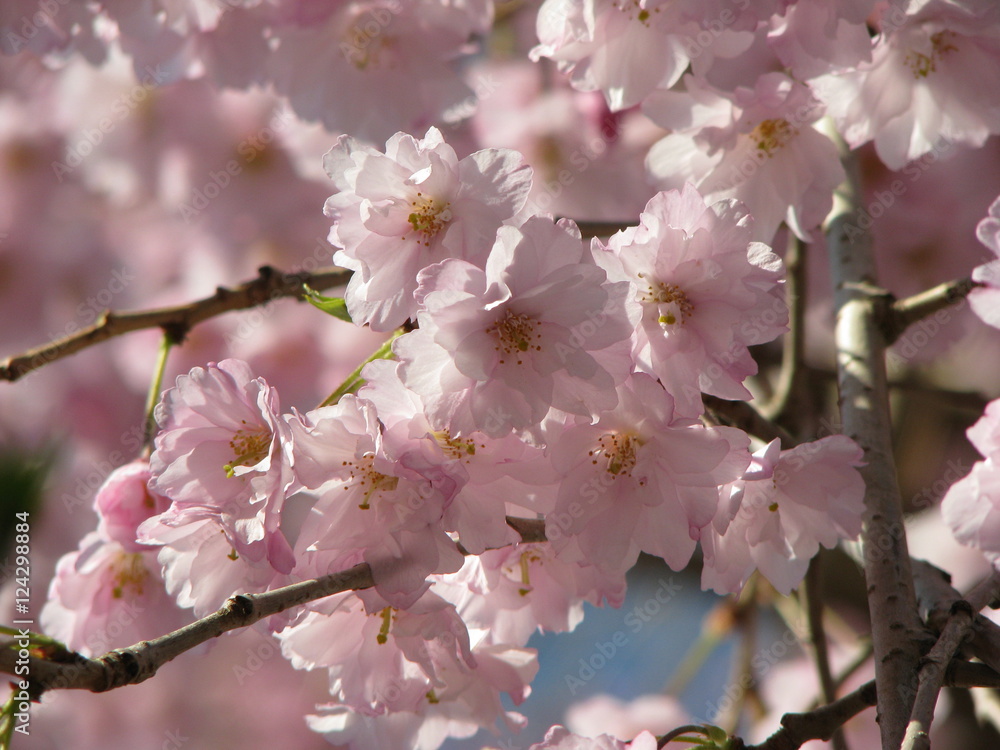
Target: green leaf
[{"x": 335, "y": 306}]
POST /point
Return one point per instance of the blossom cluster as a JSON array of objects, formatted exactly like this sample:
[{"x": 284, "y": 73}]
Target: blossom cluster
[{"x": 539, "y": 377}]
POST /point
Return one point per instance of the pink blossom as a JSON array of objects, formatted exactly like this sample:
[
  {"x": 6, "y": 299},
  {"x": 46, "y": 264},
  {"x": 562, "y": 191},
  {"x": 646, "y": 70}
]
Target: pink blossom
[
  {"x": 785, "y": 506},
  {"x": 391, "y": 665},
  {"x": 415, "y": 205},
  {"x": 971, "y": 507},
  {"x": 124, "y": 501},
  {"x": 219, "y": 455},
  {"x": 110, "y": 592},
  {"x": 704, "y": 291},
  {"x": 540, "y": 328},
  {"x": 513, "y": 592},
  {"x": 493, "y": 477},
  {"x": 757, "y": 146},
  {"x": 625, "y": 49},
  {"x": 559, "y": 738},
  {"x": 369, "y": 506},
  {"x": 355, "y": 69},
  {"x": 814, "y": 37},
  {"x": 201, "y": 567},
  {"x": 605, "y": 714},
  {"x": 636, "y": 480},
  {"x": 985, "y": 300},
  {"x": 934, "y": 77},
  {"x": 106, "y": 596}
]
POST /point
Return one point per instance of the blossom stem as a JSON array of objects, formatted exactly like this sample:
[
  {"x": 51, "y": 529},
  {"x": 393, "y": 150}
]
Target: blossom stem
[
  {"x": 354, "y": 380},
  {"x": 155, "y": 389}
]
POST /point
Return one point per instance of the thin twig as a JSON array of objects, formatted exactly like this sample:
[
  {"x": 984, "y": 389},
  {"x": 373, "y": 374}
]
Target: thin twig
[
  {"x": 177, "y": 320},
  {"x": 787, "y": 396},
  {"x": 817, "y": 635},
  {"x": 743, "y": 415},
  {"x": 906, "y": 312},
  {"x": 932, "y": 674}
]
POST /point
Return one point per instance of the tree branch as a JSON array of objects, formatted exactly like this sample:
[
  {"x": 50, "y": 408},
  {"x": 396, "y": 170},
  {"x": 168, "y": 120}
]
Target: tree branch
[
  {"x": 135, "y": 664},
  {"x": 861, "y": 342},
  {"x": 177, "y": 320},
  {"x": 819, "y": 724},
  {"x": 906, "y": 312}
]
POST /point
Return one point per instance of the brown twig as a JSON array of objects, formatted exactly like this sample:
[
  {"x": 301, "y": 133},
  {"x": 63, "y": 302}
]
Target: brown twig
[
  {"x": 177, "y": 320},
  {"x": 743, "y": 415},
  {"x": 135, "y": 664},
  {"x": 819, "y": 724},
  {"x": 787, "y": 396},
  {"x": 932, "y": 675}
]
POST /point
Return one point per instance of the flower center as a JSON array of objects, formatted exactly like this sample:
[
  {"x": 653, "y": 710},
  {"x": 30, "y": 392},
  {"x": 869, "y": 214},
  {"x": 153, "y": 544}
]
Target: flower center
[
  {"x": 249, "y": 447},
  {"x": 515, "y": 334},
  {"x": 771, "y": 135},
  {"x": 128, "y": 572},
  {"x": 428, "y": 216},
  {"x": 672, "y": 304},
  {"x": 366, "y": 42},
  {"x": 634, "y": 10},
  {"x": 619, "y": 450},
  {"x": 455, "y": 448},
  {"x": 923, "y": 65},
  {"x": 365, "y": 476}
]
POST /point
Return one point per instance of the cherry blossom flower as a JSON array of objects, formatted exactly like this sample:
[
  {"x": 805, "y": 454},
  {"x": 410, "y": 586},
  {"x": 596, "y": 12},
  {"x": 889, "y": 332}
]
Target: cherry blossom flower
[
  {"x": 560, "y": 738},
  {"x": 219, "y": 455},
  {"x": 623, "y": 48},
  {"x": 513, "y": 592},
  {"x": 415, "y": 205},
  {"x": 637, "y": 480},
  {"x": 354, "y": 68},
  {"x": 104, "y": 596},
  {"x": 110, "y": 593},
  {"x": 704, "y": 291},
  {"x": 493, "y": 477},
  {"x": 933, "y": 77},
  {"x": 814, "y": 37},
  {"x": 757, "y": 145},
  {"x": 388, "y": 664},
  {"x": 985, "y": 300},
  {"x": 777, "y": 515},
  {"x": 540, "y": 328},
  {"x": 971, "y": 507},
  {"x": 369, "y": 507}
]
